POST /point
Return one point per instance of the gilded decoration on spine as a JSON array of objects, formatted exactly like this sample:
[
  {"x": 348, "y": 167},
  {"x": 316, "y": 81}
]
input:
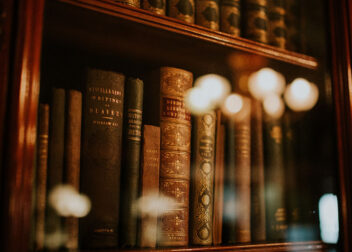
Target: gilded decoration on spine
[
  {"x": 208, "y": 13},
  {"x": 256, "y": 21},
  {"x": 182, "y": 10},
  {"x": 177, "y": 189},
  {"x": 230, "y": 17},
  {"x": 156, "y": 6},
  {"x": 176, "y": 164},
  {"x": 277, "y": 26},
  {"x": 175, "y": 136}
]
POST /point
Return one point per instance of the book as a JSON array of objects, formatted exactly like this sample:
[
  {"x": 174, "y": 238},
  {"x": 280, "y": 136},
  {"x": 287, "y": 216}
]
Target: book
[
  {"x": 150, "y": 183},
  {"x": 207, "y": 13},
  {"x": 230, "y": 17},
  {"x": 202, "y": 179},
  {"x": 182, "y": 10},
  {"x": 133, "y": 3},
  {"x": 292, "y": 21},
  {"x": 156, "y": 6},
  {"x": 73, "y": 158},
  {"x": 53, "y": 223},
  {"x": 132, "y": 134},
  {"x": 101, "y": 156},
  {"x": 277, "y": 28},
  {"x": 218, "y": 181},
  {"x": 165, "y": 95},
  {"x": 276, "y": 216},
  {"x": 258, "y": 232},
  {"x": 41, "y": 177},
  {"x": 256, "y": 20}
]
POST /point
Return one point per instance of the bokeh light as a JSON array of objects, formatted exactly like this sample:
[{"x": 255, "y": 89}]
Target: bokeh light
[
  {"x": 232, "y": 104},
  {"x": 329, "y": 218},
  {"x": 301, "y": 95},
  {"x": 274, "y": 106},
  {"x": 215, "y": 87}
]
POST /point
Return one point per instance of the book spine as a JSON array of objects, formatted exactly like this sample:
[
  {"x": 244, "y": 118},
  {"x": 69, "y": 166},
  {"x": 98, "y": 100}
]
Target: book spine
[
  {"x": 293, "y": 24},
  {"x": 101, "y": 157},
  {"x": 277, "y": 27},
  {"x": 256, "y": 20},
  {"x": 257, "y": 174},
  {"x": 203, "y": 180},
  {"x": 133, "y": 3},
  {"x": 207, "y": 13},
  {"x": 230, "y": 17},
  {"x": 73, "y": 158},
  {"x": 276, "y": 220},
  {"x": 182, "y": 10},
  {"x": 42, "y": 168},
  {"x": 219, "y": 182},
  {"x": 175, "y": 148},
  {"x": 156, "y": 6},
  {"x": 56, "y": 157},
  {"x": 150, "y": 182},
  {"x": 131, "y": 161},
  {"x": 243, "y": 174}
]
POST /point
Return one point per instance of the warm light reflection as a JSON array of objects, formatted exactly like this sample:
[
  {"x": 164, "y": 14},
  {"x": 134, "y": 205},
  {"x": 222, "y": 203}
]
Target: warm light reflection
[
  {"x": 274, "y": 106},
  {"x": 232, "y": 104},
  {"x": 301, "y": 95},
  {"x": 154, "y": 203},
  {"x": 215, "y": 87},
  {"x": 265, "y": 82},
  {"x": 197, "y": 101},
  {"x": 67, "y": 201},
  {"x": 329, "y": 218}
]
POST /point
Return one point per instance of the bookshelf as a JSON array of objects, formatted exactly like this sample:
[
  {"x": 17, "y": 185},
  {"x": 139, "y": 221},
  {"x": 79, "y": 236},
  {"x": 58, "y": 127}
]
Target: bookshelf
[{"x": 107, "y": 29}]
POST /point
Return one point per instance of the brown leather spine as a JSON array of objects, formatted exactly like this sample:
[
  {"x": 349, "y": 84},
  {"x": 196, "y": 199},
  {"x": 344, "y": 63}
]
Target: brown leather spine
[
  {"x": 243, "y": 173},
  {"x": 230, "y": 17},
  {"x": 202, "y": 181},
  {"x": 134, "y": 3},
  {"x": 156, "y": 6},
  {"x": 42, "y": 167},
  {"x": 150, "y": 182},
  {"x": 219, "y": 182},
  {"x": 257, "y": 173},
  {"x": 207, "y": 13},
  {"x": 277, "y": 28},
  {"x": 256, "y": 20},
  {"x": 175, "y": 148},
  {"x": 73, "y": 158},
  {"x": 101, "y": 157},
  {"x": 182, "y": 10}
]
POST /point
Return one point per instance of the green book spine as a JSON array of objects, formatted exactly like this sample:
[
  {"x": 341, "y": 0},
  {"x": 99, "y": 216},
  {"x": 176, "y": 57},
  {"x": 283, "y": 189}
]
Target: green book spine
[
  {"x": 276, "y": 216},
  {"x": 101, "y": 157},
  {"x": 207, "y": 13},
  {"x": 202, "y": 180},
  {"x": 256, "y": 20},
  {"x": 56, "y": 158},
  {"x": 132, "y": 134},
  {"x": 230, "y": 17}
]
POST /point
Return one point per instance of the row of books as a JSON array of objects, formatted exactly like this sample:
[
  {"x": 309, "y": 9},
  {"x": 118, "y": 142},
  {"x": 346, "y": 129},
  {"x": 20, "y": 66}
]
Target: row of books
[
  {"x": 155, "y": 176},
  {"x": 275, "y": 22}
]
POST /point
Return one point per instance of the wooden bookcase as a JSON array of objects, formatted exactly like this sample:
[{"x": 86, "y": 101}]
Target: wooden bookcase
[{"x": 104, "y": 28}]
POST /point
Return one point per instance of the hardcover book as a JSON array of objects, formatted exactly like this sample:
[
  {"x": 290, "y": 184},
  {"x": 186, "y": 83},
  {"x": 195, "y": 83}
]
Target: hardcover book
[
  {"x": 156, "y": 6},
  {"x": 101, "y": 157},
  {"x": 256, "y": 20},
  {"x": 202, "y": 180},
  {"x": 230, "y": 17},
  {"x": 277, "y": 27},
  {"x": 182, "y": 10},
  {"x": 73, "y": 158},
  {"x": 42, "y": 169},
  {"x": 207, "y": 13},
  {"x": 132, "y": 134},
  {"x": 150, "y": 183}
]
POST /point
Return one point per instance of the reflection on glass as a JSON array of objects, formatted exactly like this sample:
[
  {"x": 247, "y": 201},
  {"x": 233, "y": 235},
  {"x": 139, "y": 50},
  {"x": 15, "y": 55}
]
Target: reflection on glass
[{"x": 329, "y": 218}]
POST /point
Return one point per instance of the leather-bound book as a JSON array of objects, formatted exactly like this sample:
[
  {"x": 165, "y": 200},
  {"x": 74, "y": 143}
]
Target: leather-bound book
[
  {"x": 258, "y": 232},
  {"x": 207, "y": 13},
  {"x": 292, "y": 20},
  {"x": 150, "y": 183},
  {"x": 182, "y": 10},
  {"x": 219, "y": 181},
  {"x": 242, "y": 153},
  {"x": 276, "y": 216},
  {"x": 73, "y": 158},
  {"x": 156, "y": 6},
  {"x": 255, "y": 22},
  {"x": 42, "y": 168},
  {"x": 101, "y": 157},
  {"x": 132, "y": 134},
  {"x": 167, "y": 88},
  {"x": 277, "y": 26},
  {"x": 56, "y": 158},
  {"x": 134, "y": 3},
  {"x": 230, "y": 17},
  {"x": 202, "y": 179}
]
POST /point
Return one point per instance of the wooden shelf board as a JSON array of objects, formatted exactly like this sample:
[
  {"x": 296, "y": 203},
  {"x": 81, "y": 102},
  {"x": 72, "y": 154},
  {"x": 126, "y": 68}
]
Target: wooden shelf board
[
  {"x": 136, "y": 15},
  {"x": 285, "y": 246}
]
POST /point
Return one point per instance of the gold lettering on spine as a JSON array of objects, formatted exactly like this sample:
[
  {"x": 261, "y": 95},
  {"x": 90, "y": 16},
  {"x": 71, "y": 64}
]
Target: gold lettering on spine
[{"x": 134, "y": 124}]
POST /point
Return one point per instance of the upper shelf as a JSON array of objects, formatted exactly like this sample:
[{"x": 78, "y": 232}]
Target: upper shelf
[{"x": 164, "y": 23}]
